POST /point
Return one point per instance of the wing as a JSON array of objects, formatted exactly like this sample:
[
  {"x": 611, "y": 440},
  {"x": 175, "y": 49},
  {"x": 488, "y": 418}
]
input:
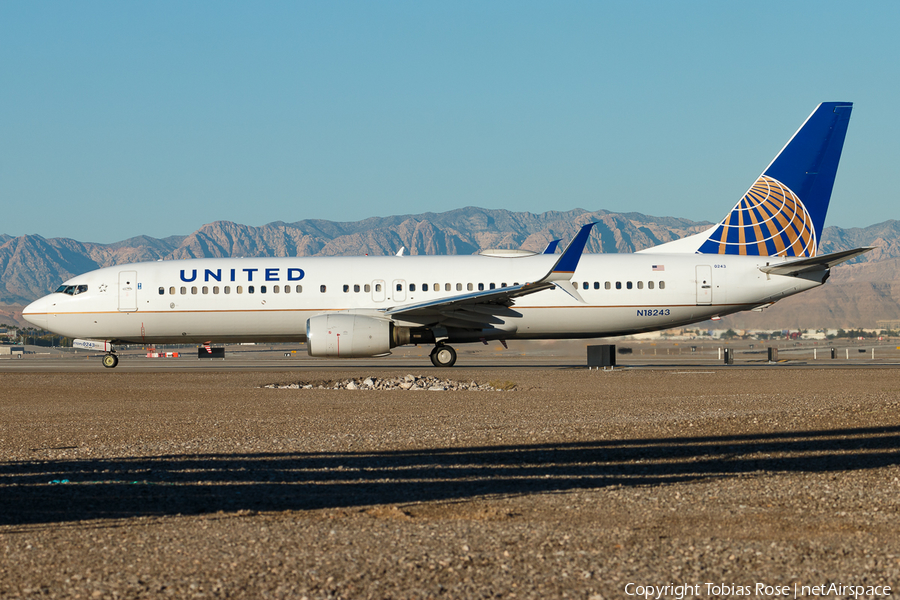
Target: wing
[{"x": 481, "y": 309}]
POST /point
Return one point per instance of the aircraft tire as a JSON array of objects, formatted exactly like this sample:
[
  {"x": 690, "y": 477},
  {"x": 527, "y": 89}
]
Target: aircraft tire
[
  {"x": 443, "y": 356},
  {"x": 110, "y": 361}
]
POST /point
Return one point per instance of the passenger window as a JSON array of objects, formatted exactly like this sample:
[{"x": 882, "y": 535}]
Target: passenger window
[
  {"x": 480, "y": 287},
  {"x": 240, "y": 289},
  {"x": 299, "y": 289},
  {"x": 183, "y": 290},
  {"x": 412, "y": 288},
  {"x": 205, "y": 289},
  {"x": 346, "y": 288},
  {"x": 172, "y": 290},
  {"x": 458, "y": 287},
  {"x": 194, "y": 289},
  {"x": 640, "y": 285},
  {"x": 662, "y": 285},
  {"x": 585, "y": 286},
  {"x": 250, "y": 289},
  {"x": 162, "y": 291},
  {"x": 596, "y": 285},
  {"x": 628, "y": 285},
  {"x": 262, "y": 289},
  {"x": 469, "y": 287},
  {"x": 287, "y": 289},
  {"x": 276, "y": 289},
  {"x": 355, "y": 287},
  {"x": 650, "y": 285},
  {"x": 607, "y": 285},
  {"x": 322, "y": 288},
  {"x": 227, "y": 289},
  {"x": 447, "y": 287},
  {"x": 575, "y": 284},
  {"x": 215, "y": 289},
  {"x": 618, "y": 285},
  {"x": 399, "y": 287},
  {"x": 367, "y": 288},
  {"x": 493, "y": 286},
  {"x": 377, "y": 287}
]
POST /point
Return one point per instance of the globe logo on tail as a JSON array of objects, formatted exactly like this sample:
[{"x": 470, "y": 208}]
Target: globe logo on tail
[{"x": 770, "y": 220}]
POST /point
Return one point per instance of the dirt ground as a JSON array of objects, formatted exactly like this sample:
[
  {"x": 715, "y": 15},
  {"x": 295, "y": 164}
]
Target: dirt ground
[{"x": 574, "y": 484}]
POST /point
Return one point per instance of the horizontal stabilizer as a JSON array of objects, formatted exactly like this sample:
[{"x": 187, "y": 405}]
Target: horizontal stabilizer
[{"x": 816, "y": 263}]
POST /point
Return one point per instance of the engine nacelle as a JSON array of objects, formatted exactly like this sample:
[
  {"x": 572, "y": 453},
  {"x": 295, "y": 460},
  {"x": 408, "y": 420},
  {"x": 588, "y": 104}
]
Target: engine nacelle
[{"x": 343, "y": 335}]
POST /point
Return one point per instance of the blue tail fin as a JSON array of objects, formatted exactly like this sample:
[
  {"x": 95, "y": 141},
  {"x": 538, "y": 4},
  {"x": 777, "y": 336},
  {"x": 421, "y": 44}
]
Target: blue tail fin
[{"x": 784, "y": 211}]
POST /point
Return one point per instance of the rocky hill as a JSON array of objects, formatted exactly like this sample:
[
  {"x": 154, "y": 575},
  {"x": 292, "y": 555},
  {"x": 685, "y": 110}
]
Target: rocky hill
[
  {"x": 858, "y": 294},
  {"x": 31, "y": 265}
]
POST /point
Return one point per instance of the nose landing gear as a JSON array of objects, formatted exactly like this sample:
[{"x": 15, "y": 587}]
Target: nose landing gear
[
  {"x": 110, "y": 360},
  {"x": 443, "y": 356}
]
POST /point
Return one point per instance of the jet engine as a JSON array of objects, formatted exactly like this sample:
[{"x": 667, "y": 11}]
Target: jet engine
[{"x": 344, "y": 335}]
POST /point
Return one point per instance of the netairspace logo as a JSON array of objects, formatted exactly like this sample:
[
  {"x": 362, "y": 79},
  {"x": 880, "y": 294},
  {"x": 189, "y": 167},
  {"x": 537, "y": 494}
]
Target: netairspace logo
[{"x": 758, "y": 590}]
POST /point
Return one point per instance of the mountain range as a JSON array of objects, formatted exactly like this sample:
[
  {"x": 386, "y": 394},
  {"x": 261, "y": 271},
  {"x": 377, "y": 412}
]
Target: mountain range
[{"x": 858, "y": 294}]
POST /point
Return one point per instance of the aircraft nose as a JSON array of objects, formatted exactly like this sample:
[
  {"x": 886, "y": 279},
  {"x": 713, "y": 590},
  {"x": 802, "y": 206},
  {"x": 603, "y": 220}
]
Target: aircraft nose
[{"x": 36, "y": 313}]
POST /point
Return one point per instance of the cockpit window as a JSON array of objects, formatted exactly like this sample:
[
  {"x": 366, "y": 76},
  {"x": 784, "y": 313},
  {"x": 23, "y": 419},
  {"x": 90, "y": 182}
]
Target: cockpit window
[{"x": 72, "y": 290}]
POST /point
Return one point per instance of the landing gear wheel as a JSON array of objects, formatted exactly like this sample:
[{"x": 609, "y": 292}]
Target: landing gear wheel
[
  {"x": 110, "y": 361},
  {"x": 443, "y": 356}
]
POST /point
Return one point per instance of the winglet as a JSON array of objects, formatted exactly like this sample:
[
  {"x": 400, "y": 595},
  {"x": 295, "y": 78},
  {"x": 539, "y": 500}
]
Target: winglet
[
  {"x": 551, "y": 247},
  {"x": 568, "y": 260}
]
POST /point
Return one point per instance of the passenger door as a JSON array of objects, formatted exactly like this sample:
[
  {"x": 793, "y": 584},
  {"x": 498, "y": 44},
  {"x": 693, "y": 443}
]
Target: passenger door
[
  {"x": 127, "y": 291},
  {"x": 398, "y": 293},
  {"x": 378, "y": 291},
  {"x": 704, "y": 284}
]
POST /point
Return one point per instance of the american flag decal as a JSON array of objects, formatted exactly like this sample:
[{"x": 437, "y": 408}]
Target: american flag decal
[{"x": 658, "y": 268}]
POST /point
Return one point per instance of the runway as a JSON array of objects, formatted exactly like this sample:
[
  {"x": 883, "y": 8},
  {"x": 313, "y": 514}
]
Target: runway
[
  {"x": 196, "y": 481},
  {"x": 519, "y": 355}
]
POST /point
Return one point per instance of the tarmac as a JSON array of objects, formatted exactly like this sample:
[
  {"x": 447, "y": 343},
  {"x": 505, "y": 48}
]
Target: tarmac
[{"x": 184, "y": 477}]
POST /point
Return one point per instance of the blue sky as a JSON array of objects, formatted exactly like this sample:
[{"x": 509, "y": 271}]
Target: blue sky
[{"x": 120, "y": 119}]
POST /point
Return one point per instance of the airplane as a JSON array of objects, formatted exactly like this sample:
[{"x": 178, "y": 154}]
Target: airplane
[{"x": 765, "y": 249}]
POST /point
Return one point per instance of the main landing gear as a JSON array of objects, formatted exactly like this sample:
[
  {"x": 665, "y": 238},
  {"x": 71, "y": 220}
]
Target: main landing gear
[
  {"x": 110, "y": 360},
  {"x": 443, "y": 356}
]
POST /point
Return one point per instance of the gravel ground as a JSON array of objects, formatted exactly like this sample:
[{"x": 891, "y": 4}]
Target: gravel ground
[{"x": 571, "y": 485}]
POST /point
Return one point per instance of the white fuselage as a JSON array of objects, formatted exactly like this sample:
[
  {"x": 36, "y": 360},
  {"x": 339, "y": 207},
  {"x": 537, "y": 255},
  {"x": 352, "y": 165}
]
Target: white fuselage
[{"x": 271, "y": 299}]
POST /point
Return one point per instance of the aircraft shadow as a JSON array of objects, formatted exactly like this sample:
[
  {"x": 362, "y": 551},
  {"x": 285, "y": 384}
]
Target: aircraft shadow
[{"x": 56, "y": 491}]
